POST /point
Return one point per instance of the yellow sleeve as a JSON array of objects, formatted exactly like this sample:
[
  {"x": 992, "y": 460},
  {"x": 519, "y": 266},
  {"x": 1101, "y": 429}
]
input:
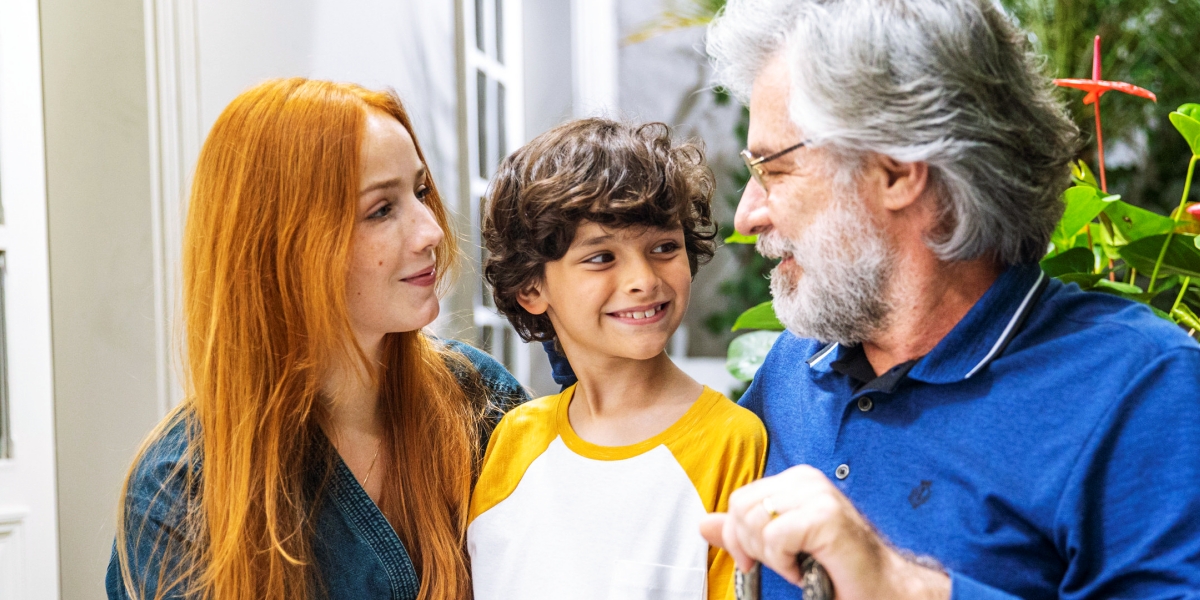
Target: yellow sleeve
[
  {"x": 727, "y": 451},
  {"x": 522, "y": 436}
]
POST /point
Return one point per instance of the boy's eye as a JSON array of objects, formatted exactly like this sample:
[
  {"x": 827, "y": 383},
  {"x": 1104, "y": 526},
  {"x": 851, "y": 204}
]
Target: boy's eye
[
  {"x": 599, "y": 259},
  {"x": 381, "y": 212},
  {"x": 666, "y": 248}
]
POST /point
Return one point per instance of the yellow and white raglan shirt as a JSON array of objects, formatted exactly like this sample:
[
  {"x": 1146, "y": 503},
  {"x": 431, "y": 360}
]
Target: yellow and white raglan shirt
[{"x": 557, "y": 518}]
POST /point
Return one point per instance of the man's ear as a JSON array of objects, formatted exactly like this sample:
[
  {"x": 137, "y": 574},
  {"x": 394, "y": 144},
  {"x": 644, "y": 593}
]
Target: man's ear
[
  {"x": 900, "y": 184},
  {"x": 533, "y": 300}
]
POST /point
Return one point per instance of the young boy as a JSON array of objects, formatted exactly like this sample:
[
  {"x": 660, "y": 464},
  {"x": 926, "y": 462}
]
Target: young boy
[{"x": 594, "y": 231}]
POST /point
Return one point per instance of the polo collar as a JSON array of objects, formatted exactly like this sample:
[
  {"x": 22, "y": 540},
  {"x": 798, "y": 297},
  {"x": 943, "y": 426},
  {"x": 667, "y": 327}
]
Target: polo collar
[
  {"x": 986, "y": 330},
  {"x": 852, "y": 362},
  {"x": 978, "y": 339}
]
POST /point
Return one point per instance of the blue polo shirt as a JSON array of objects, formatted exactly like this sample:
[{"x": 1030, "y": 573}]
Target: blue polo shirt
[{"x": 1047, "y": 447}]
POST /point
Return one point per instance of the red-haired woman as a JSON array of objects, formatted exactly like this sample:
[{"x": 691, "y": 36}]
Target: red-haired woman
[{"x": 326, "y": 447}]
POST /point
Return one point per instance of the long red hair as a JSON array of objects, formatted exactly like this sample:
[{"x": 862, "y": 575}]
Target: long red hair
[{"x": 265, "y": 258}]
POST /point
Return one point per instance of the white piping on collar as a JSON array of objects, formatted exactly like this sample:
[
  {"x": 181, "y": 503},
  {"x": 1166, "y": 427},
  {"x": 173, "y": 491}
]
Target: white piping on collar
[
  {"x": 820, "y": 356},
  {"x": 1009, "y": 328}
]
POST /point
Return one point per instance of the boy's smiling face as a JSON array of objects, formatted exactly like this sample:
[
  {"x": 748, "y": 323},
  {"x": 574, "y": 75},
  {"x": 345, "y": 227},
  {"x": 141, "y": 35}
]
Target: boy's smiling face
[{"x": 617, "y": 293}]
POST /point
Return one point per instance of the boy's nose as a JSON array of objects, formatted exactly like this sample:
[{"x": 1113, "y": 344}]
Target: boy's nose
[
  {"x": 640, "y": 277},
  {"x": 751, "y": 217}
]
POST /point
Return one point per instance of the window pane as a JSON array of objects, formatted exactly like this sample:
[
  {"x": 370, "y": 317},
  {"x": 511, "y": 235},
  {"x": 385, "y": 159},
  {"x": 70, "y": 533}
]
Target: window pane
[
  {"x": 481, "y": 121},
  {"x": 5, "y": 446},
  {"x": 501, "y": 129},
  {"x": 479, "y": 26},
  {"x": 500, "y": 31}
]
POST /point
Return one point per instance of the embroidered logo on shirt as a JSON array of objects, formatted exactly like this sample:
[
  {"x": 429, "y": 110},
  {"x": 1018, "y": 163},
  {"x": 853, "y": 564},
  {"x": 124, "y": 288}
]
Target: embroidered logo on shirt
[{"x": 920, "y": 494}]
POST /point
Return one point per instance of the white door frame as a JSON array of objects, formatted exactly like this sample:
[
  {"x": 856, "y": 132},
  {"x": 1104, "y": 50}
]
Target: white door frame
[
  {"x": 173, "y": 102},
  {"x": 28, "y": 505}
]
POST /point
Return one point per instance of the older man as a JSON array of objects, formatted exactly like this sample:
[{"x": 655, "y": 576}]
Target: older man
[{"x": 945, "y": 420}]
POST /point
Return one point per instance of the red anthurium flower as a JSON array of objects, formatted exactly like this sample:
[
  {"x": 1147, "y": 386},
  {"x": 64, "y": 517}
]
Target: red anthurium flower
[{"x": 1096, "y": 87}]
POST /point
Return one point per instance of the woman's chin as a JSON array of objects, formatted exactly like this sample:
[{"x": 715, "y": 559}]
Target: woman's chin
[{"x": 417, "y": 317}]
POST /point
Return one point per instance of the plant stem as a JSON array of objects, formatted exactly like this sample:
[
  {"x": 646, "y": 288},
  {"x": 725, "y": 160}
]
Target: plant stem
[
  {"x": 1187, "y": 188},
  {"x": 1182, "y": 291},
  {"x": 1096, "y": 109},
  {"x": 1100, "y": 146}
]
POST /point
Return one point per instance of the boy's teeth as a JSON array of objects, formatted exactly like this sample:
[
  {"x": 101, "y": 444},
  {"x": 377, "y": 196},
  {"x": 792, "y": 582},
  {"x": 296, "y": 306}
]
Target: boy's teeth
[{"x": 640, "y": 315}]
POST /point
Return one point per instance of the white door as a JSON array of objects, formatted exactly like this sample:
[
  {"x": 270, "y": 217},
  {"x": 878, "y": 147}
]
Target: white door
[{"x": 28, "y": 513}]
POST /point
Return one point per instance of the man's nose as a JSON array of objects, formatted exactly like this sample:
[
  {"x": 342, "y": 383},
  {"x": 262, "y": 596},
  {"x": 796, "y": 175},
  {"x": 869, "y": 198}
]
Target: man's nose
[{"x": 751, "y": 217}]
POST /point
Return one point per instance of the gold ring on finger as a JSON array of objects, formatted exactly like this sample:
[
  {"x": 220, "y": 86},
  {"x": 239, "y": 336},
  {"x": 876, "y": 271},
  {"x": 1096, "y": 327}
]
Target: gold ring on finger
[{"x": 769, "y": 507}]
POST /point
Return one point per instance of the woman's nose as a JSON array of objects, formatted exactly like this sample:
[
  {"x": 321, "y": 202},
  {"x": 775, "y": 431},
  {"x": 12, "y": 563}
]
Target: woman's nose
[
  {"x": 426, "y": 234},
  {"x": 751, "y": 217}
]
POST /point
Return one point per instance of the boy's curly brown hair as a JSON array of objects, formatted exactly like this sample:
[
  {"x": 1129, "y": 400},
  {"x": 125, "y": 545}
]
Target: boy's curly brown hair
[{"x": 611, "y": 173}]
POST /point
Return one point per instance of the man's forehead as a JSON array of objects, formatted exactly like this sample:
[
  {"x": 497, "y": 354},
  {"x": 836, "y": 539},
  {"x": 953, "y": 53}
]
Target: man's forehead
[{"x": 770, "y": 122}]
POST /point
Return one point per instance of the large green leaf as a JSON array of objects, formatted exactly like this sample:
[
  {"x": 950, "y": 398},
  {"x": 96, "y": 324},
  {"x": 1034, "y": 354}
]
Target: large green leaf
[
  {"x": 1187, "y": 121},
  {"x": 1124, "y": 289},
  {"x": 1182, "y": 256},
  {"x": 1133, "y": 223},
  {"x": 759, "y": 317},
  {"x": 747, "y": 353},
  {"x": 1083, "y": 204},
  {"x": 738, "y": 238},
  {"x": 1075, "y": 260}
]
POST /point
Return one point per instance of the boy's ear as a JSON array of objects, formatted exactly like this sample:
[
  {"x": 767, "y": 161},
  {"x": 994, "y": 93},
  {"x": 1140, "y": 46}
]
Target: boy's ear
[{"x": 533, "y": 300}]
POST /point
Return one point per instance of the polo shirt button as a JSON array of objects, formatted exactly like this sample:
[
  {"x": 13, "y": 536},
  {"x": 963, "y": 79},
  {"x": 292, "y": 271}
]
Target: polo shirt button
[
  {"x": 842, "y": 472},
  {"x": 865, "y": 404}
]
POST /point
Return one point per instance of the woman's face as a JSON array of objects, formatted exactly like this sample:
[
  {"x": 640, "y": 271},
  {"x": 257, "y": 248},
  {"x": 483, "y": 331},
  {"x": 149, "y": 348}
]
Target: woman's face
[{"x": 391, "y": 282}]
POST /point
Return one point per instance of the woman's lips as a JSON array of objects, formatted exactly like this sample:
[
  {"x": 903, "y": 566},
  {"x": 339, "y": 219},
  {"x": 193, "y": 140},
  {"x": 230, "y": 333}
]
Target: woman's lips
[
  {"x": 424, "y": 279},
  {"x": 643, "y": 316}
]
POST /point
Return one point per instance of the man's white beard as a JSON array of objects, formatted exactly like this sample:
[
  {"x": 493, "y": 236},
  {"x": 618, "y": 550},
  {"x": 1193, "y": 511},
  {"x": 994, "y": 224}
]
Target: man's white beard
[{"x": 836, "y": 290}]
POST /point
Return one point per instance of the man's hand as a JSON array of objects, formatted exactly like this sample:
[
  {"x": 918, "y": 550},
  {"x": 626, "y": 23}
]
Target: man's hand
[{"x": 814, "y": 517}]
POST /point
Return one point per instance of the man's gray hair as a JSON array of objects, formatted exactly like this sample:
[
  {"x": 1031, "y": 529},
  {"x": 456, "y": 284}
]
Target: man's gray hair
[{"x": 952, "y": 83}]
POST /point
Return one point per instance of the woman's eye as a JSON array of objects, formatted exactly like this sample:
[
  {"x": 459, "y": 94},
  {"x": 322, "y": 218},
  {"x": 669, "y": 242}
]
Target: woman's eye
[
  {"x": 381, "y": 212},
  {"x": 423, "y": 193},
  {"x": 599, "y": 259}
]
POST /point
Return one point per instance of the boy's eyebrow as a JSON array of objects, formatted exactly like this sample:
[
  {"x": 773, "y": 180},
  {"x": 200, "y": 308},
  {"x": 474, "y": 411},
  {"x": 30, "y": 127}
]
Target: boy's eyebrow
[{"x": 597, "y": 240}]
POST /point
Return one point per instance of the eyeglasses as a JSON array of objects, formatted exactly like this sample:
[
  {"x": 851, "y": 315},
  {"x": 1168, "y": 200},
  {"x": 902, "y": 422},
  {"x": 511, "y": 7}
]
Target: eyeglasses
[{"x": 754, "y": 163}]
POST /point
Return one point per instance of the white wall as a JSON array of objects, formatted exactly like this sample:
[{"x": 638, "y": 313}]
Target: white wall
[
  {"x": 101, "y": 270},
  {"x": 408, "y": 45}
]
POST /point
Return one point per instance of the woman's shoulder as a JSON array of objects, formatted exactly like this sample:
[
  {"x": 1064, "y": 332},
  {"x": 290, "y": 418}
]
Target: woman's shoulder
[
  {"x": 160, "y": 477},
  {"x": 499, "y": 383}
]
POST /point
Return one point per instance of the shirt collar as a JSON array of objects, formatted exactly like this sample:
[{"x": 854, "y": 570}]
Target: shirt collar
[
  {"x": 983, "y": 334},
  {"x": 852, "y": 362},
  {"x": 978, "y": 339}
]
